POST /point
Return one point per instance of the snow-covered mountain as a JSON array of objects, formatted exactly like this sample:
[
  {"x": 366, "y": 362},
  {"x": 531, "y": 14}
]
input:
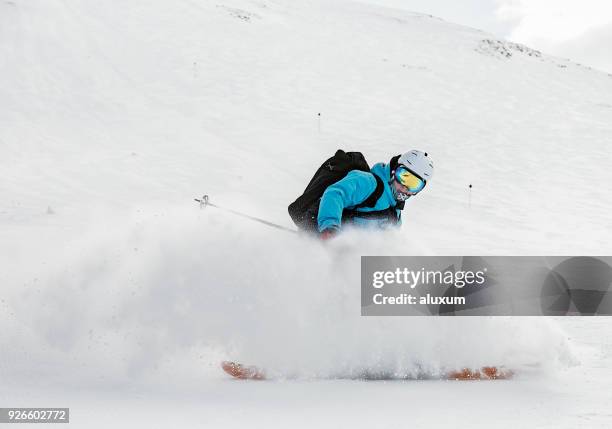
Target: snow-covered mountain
[{"x": 113, "y": 117}]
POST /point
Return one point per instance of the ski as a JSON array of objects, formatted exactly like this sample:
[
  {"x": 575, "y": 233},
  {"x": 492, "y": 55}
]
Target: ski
[
  {"x": 484, "y": 373},
  {"x": 250, "y": 372},
  {"x": 243, "y": 372}
]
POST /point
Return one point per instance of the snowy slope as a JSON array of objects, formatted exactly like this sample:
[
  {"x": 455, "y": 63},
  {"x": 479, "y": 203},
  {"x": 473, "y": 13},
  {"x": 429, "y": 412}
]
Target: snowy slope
[{"x": 113, "y": 118}]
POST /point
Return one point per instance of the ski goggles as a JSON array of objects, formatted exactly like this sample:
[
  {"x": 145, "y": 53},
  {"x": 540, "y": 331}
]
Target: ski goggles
[{"x": 410, "y": 180}]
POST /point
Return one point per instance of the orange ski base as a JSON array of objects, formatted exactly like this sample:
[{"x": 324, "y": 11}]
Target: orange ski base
[{"x": 242, "y": 372}]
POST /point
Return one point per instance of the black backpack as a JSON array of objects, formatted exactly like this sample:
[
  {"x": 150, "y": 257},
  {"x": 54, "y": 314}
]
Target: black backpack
[{"x": 305, "y": 208}]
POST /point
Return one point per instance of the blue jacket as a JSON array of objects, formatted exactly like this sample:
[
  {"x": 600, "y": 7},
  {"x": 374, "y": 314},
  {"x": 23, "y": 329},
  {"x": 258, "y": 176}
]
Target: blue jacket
[{"x": 351, "y": 191}]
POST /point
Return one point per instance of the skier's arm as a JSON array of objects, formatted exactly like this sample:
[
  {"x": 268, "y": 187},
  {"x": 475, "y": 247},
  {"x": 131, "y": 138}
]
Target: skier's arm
[{"x": 354, "y": 189}]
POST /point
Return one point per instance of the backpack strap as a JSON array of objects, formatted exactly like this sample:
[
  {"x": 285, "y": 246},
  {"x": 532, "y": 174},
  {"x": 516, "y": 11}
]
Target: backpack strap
[
  {"x": 374, "y": 196},
  {"x": 389, "y": 213}
]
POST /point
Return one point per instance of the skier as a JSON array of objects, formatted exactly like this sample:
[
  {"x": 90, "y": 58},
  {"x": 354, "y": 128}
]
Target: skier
[{"x": 346, "y": 191}]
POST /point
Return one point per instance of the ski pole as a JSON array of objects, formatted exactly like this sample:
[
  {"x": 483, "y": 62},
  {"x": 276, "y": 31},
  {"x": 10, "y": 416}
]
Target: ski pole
[
  {"x": 204, "y": 202},
  {"x": 470, "y": 197}
]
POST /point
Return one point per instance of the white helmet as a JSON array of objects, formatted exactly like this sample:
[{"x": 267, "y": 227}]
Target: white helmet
[{"x": 419, "y": 163}]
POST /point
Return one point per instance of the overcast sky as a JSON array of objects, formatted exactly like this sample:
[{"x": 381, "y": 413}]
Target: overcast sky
[{"x": 580, "y": 30}]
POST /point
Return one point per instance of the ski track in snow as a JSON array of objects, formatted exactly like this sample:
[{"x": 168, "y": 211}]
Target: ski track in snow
[{"x": 121, "y": 297}]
